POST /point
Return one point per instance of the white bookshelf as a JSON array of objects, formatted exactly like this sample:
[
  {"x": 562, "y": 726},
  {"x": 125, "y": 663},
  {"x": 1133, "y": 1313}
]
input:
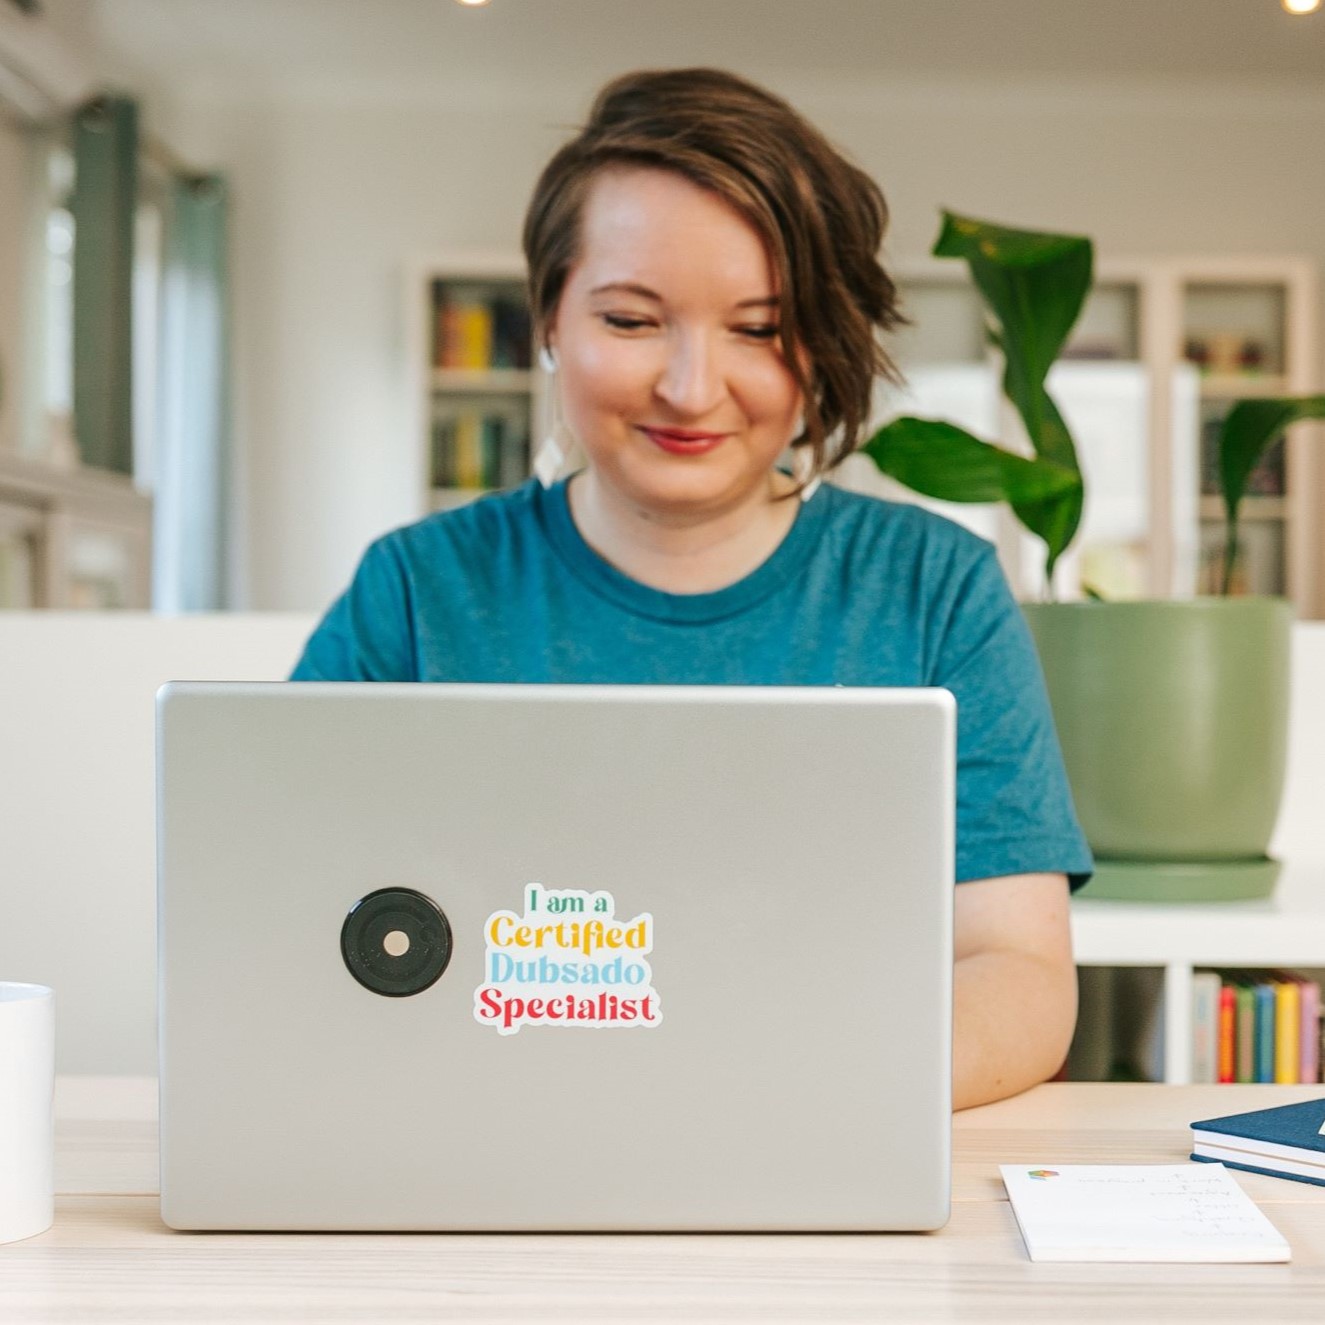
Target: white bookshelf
[
  {"x": 72, "y": 537},
  {"x": 1140, "y": 317},
  {"x": 1147, "y": 313},
  {"x": 494, "y": 381},
  {"x": 517, "y": 393},
  {"x": 1285, "y": 930}
]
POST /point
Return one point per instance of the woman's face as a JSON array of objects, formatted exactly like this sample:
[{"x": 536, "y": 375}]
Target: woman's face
[{"x": 670, "y": 363}]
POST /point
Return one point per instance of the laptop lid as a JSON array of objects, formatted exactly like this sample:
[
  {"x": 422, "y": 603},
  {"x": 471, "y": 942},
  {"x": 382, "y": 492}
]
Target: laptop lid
[{"x": 554, "y": 957}]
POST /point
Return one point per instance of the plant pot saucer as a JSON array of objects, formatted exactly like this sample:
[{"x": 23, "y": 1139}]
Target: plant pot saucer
[{"x": 1183, "y": 881}]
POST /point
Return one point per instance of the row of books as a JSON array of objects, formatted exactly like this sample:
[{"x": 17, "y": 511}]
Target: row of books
[
  {"x": 474, "y": 449},
  {"x": 1256, "y": 1026},
  {"x": 478, "y": 330}
]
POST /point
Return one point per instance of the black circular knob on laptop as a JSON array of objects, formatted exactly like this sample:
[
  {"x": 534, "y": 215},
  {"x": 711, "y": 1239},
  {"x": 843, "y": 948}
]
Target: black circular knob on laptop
[{"x": 396, "y": 942}]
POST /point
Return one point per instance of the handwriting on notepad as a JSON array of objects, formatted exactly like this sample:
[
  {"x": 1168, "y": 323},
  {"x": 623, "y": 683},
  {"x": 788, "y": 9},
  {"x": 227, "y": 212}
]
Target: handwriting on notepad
[
  {"x": 1153, "y": 1211},
  {"x": 1190, "y": 1204}
]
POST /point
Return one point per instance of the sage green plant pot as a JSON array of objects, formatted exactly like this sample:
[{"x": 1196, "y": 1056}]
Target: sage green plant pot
[{"x": 1173, "y": 717}]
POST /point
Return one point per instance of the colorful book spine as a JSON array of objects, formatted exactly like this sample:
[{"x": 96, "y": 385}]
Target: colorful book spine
[
  {"x": 469, "y": 451},
  {"x": 1246, "y": 1031},
  {"x": 515, "y": 455},
  {"x": 443, "y": 453},
  {"x": 511, "y": 333},
  {"x": 448, "y": 336},
  {"x": 1310, "y": 1071},
  {"x": 1287, "y": 1030},
  {"x": 1227, "y": 1033},
  {"x": 463, "y": 334},
  {"x": 1263, "y": 1070},
  {"x": 1205, "y": 1027},
  {"x": 1320, "y": 1045},
  {"x": 494, "y": 438},
  {"x": 478, "y": 337},
  {"x": 478, "y": 329}
]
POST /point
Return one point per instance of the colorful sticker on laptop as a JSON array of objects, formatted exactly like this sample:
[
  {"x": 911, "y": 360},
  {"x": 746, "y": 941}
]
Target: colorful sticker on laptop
[{"x": 567, "y": 961}]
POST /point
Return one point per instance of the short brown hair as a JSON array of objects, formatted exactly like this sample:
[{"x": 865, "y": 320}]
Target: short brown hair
[{"x": 821, "y": 218}]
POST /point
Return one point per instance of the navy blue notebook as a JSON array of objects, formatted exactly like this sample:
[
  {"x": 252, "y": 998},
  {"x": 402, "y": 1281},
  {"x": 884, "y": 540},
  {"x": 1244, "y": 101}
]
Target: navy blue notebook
[{"x": 1244, "y": 1141}]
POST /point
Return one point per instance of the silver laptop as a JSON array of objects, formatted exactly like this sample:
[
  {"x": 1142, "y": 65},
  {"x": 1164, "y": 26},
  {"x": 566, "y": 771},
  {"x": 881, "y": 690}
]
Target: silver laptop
[{"x": 445, "y": 957}]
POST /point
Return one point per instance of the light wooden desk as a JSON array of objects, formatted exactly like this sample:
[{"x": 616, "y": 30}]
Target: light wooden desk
[{"x": 109, "y": 1257}]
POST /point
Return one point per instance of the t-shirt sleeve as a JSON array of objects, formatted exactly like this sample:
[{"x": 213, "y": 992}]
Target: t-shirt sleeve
[
  {"x": 1014, "y": 807},
  {"x": 367, "y": 634}
]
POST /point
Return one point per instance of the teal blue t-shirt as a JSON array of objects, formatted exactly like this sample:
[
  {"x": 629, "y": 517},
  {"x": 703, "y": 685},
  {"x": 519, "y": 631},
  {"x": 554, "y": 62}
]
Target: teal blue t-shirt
[{"x": 860, "y": 592}]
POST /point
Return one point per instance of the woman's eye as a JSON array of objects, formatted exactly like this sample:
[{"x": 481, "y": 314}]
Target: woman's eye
[
  {"x": 764, "y": 331},
  {"x": 623, "y": 323}
]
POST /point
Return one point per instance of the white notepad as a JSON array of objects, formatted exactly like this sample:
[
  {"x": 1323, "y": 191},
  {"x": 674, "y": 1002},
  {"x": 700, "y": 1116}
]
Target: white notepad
[{"x": 1138, "y": 1212}]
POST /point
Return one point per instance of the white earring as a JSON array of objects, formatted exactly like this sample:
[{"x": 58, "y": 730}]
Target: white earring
[
  {"x": 804, "y": 471},
  {"x": 550, "y": 457}
]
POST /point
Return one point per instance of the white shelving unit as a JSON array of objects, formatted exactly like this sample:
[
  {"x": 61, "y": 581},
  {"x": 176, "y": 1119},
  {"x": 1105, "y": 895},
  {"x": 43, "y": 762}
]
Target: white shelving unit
[
  {"x": 1144, "y": 316},
  {"x": 492, "y": 381},
  {"x": 514, "y": 393},
  {"x": 1284, "y": 930},
  {"x": 72, "y": 537},
  {"x": 1266, "y": 305}
]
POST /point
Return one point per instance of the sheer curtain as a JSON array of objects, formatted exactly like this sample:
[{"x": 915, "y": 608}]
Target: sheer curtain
[
  {"x": 193, "y": 441},
  {"x": 105, "y": 190}
]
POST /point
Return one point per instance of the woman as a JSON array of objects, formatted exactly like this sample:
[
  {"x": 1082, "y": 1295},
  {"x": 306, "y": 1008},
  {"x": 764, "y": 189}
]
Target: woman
[{"x": 706, "y": 291}]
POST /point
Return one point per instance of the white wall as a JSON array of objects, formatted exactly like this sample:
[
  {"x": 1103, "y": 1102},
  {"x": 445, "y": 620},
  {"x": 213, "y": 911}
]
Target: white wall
[
  {"x": 77, "y": 810},
  {"x": 331, "y": 199},
  {"x": 329, "y": 204}
]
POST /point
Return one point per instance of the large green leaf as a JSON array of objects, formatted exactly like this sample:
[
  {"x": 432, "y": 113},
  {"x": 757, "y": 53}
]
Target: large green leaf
[
  {"x": 947, "y": 462},
  {"x": 1250, "y": 426},
  {"x": 1034, "y": 284},
  {"x": 1055, "y": 520},
  {"x": 1057, "y": 523}
]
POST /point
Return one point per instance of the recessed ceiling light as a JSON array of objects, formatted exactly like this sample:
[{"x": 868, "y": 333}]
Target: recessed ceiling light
[
  {"x": 1301, "y": 6},
  {"x": 474, "y": 4}
]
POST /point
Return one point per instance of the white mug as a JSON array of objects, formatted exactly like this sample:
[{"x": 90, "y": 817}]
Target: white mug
[{"x": 27, "y": 1110}]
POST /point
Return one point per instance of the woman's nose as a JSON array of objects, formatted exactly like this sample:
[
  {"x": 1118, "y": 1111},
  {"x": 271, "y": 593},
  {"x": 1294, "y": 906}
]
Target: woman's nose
[{"x": 691, "y": 381}]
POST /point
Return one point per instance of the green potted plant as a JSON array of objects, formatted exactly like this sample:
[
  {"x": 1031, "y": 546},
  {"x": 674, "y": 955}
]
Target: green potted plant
[{"x": 1172, "y": 715}]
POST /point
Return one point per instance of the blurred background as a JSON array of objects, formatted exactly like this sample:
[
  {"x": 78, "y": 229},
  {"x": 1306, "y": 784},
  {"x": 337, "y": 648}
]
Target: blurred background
[
  {"x": 260, "y": 282},
  {"x": 261, "y": 300}
]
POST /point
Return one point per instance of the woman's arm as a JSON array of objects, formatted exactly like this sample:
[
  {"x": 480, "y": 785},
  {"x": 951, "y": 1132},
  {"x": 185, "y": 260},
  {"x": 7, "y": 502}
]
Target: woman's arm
[
  {"x": 1014, "y": 985},
  {"x": 368, "y": 632}
]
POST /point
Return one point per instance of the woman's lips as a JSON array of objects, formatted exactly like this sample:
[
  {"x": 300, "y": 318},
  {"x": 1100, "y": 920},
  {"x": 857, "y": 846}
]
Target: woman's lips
[{"x": 684, "y": 441}]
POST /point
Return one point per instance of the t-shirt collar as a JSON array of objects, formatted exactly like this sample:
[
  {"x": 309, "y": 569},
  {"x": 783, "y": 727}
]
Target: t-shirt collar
[{"x": 785, "y": 561}]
